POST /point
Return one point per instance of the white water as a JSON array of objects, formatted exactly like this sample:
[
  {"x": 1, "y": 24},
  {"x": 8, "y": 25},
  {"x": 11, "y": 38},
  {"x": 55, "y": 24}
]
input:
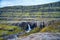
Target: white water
[
  {"x": 15, "y": 36},
  {"x": 29, "y": 29}
]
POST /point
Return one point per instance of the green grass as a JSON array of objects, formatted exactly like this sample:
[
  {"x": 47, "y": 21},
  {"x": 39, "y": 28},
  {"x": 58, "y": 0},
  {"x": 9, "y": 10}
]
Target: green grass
[
  {"x": 4, "y": 30},
  {"x": 35, "y": 30},
  {"x": 17, "y": 14},
  {"x": 55, "y": 28}
]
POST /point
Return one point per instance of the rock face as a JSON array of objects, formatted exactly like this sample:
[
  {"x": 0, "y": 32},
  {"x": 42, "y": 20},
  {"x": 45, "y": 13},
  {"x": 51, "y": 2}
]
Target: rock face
[{"x": 42, "y": 36}]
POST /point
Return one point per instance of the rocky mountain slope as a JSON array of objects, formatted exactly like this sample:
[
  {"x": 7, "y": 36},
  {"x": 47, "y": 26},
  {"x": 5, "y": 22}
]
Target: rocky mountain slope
[{"x": 30, "y": 13}]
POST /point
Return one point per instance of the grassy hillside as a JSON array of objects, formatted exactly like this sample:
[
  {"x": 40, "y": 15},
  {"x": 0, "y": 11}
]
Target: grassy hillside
[
  {"x": 17, "y": 13},
  {"x": 52, "y": 28}
]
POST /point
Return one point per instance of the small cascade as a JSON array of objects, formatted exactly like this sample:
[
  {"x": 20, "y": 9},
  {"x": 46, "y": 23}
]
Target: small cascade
[{"x": 29, "y": 28}]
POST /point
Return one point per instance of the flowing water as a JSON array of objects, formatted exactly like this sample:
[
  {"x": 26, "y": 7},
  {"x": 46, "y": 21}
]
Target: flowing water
[{"x": 29, "y": 28}]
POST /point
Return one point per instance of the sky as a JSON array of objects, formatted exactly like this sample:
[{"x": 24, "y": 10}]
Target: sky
[{"x": 4, "y": 3}]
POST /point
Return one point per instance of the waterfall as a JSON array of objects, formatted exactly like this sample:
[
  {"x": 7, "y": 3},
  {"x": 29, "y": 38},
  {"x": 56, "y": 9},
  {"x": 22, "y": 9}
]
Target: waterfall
[{"x": 29, "y": 29}]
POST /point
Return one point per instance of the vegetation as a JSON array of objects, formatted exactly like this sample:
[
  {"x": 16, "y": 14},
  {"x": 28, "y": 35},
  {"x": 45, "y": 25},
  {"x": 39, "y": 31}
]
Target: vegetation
[
  {"x": 15, "y": 13},
  {"x": 39, "y": 12},
  {"x": 35, "y": 30},
  {"x": 52, "y": 28},
  {"x": 8, "y": 30}
]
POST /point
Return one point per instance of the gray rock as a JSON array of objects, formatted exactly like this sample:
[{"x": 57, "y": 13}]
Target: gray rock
[{"x": 42, "y": 36}]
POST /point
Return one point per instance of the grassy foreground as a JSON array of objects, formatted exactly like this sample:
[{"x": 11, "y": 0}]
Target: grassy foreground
[{"x": 8, "y": 30}]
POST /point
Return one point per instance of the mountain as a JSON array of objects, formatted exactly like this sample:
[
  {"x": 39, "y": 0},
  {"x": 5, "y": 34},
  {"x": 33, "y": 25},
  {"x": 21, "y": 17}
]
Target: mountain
[
  {"x": 33, "y": 8},
  {"x": 26, "y": 13}
]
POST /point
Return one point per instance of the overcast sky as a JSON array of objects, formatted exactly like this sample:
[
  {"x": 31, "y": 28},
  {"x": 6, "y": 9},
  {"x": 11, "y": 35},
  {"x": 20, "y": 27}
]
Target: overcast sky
[{"x": 4, "y": 3}]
